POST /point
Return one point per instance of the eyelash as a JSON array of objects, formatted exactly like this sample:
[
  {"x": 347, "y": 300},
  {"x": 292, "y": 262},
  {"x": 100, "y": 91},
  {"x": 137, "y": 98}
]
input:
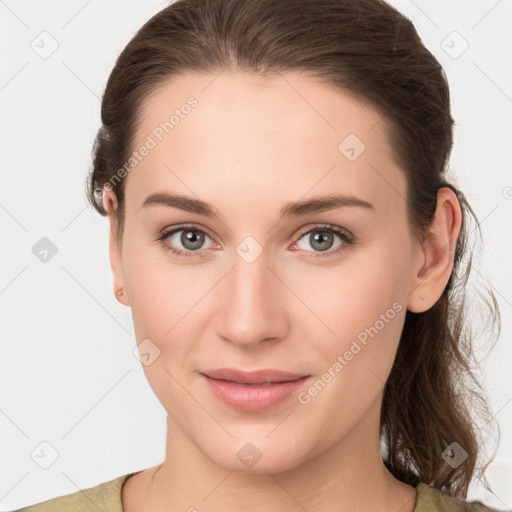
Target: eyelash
[{"x": 347, "y": 239}]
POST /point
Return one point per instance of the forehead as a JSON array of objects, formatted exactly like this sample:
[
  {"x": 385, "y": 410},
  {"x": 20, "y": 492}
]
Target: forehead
[{"x": 232, "y": 134}]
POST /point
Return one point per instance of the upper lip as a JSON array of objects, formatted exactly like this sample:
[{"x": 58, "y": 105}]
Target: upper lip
[{"x": 254, "y": 377}]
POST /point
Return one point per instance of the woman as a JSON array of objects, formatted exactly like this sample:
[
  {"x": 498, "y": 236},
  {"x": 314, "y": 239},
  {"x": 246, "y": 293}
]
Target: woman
[{"x": 283, "y": 230}]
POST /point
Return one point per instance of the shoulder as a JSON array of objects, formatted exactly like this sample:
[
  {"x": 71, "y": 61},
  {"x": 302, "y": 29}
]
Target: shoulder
[
  {"x": 105, "y": 497},
  {"x": 430, "y": 499}
]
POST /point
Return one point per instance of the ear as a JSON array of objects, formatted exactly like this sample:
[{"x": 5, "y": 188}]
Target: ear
[
  {"x": 436, "y": 253},
  {"x": 110, "y": 206}
]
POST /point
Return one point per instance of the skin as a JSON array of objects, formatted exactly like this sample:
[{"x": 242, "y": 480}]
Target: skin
[{"x": 250, "y": 146}]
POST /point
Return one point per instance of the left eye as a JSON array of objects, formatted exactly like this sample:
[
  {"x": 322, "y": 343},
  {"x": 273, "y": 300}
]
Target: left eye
[{"x": 321, "y": 238}]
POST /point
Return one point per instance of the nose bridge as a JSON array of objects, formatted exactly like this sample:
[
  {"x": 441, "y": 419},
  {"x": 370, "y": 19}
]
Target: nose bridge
[
  {"x": 249, "y": 276},
  {"x": 249, "y": 311}
]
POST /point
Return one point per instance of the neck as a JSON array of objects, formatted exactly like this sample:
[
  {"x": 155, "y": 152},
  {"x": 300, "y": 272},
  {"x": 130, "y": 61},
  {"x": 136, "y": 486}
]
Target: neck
[{"x": 349, "y": 475}]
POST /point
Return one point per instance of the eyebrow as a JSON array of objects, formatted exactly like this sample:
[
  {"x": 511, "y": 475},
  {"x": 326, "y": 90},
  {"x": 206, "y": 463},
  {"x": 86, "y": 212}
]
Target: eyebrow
[{"x": 294, "y": 209}]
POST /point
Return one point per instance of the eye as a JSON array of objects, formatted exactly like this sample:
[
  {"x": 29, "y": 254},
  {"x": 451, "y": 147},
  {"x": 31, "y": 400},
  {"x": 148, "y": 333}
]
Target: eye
[
  {"x": 322, "y": 237},
  {"x": 191, "y": 239}
]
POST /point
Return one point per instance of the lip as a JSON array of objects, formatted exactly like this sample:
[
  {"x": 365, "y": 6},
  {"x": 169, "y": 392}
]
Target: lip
[
  {"x": 253, "y": 391},
  {"x": 254, "y": 377}
]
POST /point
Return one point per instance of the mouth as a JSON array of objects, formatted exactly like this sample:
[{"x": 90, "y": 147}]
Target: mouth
[
  {"x": 253, "y": 391},
  {"x": 269, "y": 376}
]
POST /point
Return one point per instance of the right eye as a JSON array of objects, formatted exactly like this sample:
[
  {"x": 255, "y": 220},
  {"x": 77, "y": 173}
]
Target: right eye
[{"x": 191, "y": 240}]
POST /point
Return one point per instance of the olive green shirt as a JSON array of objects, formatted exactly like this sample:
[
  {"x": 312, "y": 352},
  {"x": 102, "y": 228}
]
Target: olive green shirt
[{"x": 106, "y": 497}]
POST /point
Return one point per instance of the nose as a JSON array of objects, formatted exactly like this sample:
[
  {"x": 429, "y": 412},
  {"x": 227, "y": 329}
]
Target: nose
[{"x": 252, "y": 303}]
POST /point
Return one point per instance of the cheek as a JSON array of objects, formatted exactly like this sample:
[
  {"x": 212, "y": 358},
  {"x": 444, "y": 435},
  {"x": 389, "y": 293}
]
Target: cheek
[
  {"x": 169, "y": 304},
  {"x": 365, "y": 311},
  {"x": 160, "y": 291},
  {"x": 355, "y": 293},
  {"x": 362, "y": 304}
]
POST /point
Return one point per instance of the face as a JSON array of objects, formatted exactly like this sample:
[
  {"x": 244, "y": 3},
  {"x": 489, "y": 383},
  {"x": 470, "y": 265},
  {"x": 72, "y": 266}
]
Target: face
[{"x": 316, "y": 292}]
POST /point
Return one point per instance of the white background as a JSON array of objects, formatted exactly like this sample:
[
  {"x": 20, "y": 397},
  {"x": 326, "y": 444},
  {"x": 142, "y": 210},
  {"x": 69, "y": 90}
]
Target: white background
[{"x": 68, "y": 373}]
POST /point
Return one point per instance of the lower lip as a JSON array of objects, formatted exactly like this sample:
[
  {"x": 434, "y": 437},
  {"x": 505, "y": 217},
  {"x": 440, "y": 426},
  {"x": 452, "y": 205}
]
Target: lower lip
[{"x": 253, "y": 397}]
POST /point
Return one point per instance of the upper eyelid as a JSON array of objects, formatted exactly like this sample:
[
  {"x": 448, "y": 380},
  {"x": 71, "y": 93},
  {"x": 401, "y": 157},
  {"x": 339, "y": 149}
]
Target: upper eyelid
[
  {"x": 191, "y": 227},
  {"x": 327, "y": 227}
]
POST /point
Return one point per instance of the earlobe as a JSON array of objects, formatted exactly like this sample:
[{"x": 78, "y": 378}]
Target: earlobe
[
  {"x": 437, "y": 252},
  {"x": 110, "y": 206}
]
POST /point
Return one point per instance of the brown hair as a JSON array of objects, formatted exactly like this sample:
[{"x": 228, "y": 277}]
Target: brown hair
[{"x": 369, "y": 49}]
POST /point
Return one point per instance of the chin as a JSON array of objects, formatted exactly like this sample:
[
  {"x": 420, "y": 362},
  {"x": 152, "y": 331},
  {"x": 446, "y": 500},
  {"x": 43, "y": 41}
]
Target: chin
[{"x": 259, "y": 456}]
